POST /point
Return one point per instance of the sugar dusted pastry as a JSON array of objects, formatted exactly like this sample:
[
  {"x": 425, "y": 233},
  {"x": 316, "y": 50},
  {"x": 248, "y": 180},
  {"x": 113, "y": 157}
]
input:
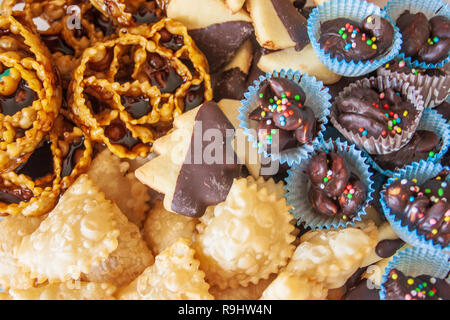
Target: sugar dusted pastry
[
  {"x": 251, "y": 292},
  {"x": 12, "y": 230},
  {"x": 77, "y": 234},
  {"x": 174, "y": 276},
  {"x": 289, "y": 286},
  {"x": 186, "y": 171},
  {"x": 127, "y": 192},
  {"x": 69, "y": 290},
  {"x": 125, "y": 263},
  {"x": 332, "y": 256},
  {"x": 245, "y": 238},
  {"x": 162, "y": 228}
]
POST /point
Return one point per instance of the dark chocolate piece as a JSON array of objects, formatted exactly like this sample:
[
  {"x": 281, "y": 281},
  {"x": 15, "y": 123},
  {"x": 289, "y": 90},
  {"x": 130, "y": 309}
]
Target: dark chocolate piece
[
  {"x": 147, "y": 13},
  {"x": 22, "y": 98},
  {"x": 424, "y": 287},
  {"x": 69, "y": 161},
  {"x": 229, "y": 84},
  {"x": 423, "y": 208},
  {"x": 212, "y": 181},
  {"x": 364, "y": 290},
  {"x": 293, "y": 21},
  {"x": 194, "y": 97},
  {"x": 348, "y": 40},
  {"x": 427, "y": 41},
  {"x": 119, "y": 134},
  {"x": 161, "y": 73},
  {"x": 422, "y": 145},
  {"x": 137, "y": 107},
  {"x": 39, "y": 164},
  {"x": 219, "y": 42},
  {"x": 387, "y": 248}
]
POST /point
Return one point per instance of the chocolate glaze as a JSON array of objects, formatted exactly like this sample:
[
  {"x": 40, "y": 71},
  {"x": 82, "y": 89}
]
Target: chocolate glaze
[
  {"x": 14, "y": 194},
  {"x": 422, "y": 208},
  {"x": 425, "y": 287},
  {"x": 212, "y": 181},
  {"x": 394, "y": 66},
  {"x": 387, "y": 248},
  {"x": 194, "y": 97},
  {"x": 419, "y": 147},
  {"x": 56, "y": 44},
  {"x": 39, "y": 164},
  {"x": 69, "y": 161},
  {"x": 22, "y": 98},
  {"x": 137, "y": 107},
  {"x": 417, "y": 31},
  {"x": 148, "y": 12},
  {"x": 119, "y": 134},
  {"x": 100, "y": 21},
  {"x": 346, "y": 47},
  {"x": 229, "y": 84},
  {"x": 161, "y": 73},
  {"x": 293, "y": 21},
  {"x": 173, "y": 42},
  {"x": 219, "y": 42}
]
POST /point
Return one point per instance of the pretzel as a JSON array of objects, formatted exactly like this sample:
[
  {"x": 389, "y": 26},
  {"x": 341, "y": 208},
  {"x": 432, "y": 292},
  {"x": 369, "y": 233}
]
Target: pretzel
[{"x": 126, "y": 91}]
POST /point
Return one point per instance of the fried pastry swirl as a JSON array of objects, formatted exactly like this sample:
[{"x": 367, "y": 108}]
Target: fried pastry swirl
[
  {"x": 33, "y": 188},
  {"x": 30, "y": 93},
  {"x": 126, "y": 92},
  {"x": 67, "y": 27}
]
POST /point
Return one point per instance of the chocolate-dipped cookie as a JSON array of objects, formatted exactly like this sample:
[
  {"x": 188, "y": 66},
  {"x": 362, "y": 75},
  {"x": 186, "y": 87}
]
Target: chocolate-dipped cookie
[
  {"x": 334, "y": 190},
  {"x": 425, "y": 40},
  {"x": 423, "y": 208},
  {"x": 374, "y": 113},
  {"x": 349, "y": 40},
  {"x": 423, "y": 144},
  {"x": 423, "y": 287},
  {"x": 217, "y": 32},
  {"x": 204, "y": 176},
  {"x": 278, "y": 25},
  {"x": 282, "y": 111}
]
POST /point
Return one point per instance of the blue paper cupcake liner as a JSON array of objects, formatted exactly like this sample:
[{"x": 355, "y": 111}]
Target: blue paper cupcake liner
[
  {"x": 430, "y": 8},
  {"x": 298, "y": 183},
  {"x": 415, "y": 262},
  {"x": 358, "y": 11},
  {"x": 317, "y": 98},
  {"x": 422, "y": 171},
  {"x": 431, "y": 121}
]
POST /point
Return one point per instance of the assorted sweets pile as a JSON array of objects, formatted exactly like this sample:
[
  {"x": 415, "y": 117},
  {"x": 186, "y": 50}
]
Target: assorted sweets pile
[{"x": 103, "y": 174}]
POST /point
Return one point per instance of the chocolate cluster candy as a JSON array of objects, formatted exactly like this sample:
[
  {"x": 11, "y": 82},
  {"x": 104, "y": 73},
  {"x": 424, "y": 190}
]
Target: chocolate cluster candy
[
  {"x": 372, "y": 113},
  {"x": 334, "y": 189},
  {"x": 424, "y": 208},
  {"x": 401, "y": 66},
  {"x": 349, "y": 40},
  {"x": 283, "y": 116},
  {"x": 423, "y": 144},
  {"x": 425, "y": 40},
  {"x": 423, "y": 287}
]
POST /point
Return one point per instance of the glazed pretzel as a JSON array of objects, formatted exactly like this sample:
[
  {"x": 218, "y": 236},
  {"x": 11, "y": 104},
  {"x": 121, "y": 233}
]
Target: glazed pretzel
[
  {"x": 138, "y": 67},
  {"x": 71, "y": 154},
  {"x": 31, "y": 93},
  {"x": 72, "y": 26}
]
